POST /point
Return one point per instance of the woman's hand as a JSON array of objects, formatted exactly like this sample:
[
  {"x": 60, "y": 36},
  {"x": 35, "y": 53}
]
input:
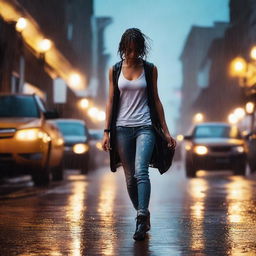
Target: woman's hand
[
  {"x": 171, "y": 141},
  {"x": 106, "y": 142}
]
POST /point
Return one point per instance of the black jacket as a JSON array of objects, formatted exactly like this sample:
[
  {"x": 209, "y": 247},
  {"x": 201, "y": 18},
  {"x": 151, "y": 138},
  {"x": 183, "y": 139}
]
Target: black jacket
[{"x": 162, "y": 155}]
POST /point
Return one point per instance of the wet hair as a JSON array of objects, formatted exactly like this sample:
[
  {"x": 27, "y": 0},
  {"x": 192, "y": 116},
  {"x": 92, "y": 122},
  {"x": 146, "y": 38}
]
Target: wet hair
[{"x": 140, "y": 40}]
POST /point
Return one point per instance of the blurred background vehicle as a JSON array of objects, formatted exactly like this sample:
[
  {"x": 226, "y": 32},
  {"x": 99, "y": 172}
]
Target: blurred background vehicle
[
  {"x": 215, "y": 146},
  {"x": 252, "y": 150},
  {"x": 76, "y": 140},
  {"x": 29, "y": 143},
  {"x": 100, "y": 158}
]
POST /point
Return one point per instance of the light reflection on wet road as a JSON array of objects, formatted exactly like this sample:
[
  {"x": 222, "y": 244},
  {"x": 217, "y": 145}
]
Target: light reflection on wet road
[{"x": 213, "y": 214}]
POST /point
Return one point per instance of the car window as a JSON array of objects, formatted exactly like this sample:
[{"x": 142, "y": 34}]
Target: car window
[
  {"x": 96, "y": 134},
  {"x": 216, "y": 132},
  {"x": 71, "y": 129},
  {"x": 18, "y": 106}
]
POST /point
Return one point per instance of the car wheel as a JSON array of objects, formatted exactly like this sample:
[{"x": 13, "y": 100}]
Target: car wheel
[
  {"x": 41, "y": 176},
  {"x": 190, "y": 170},
  {"x": 252, "y": 165},
  {"x": 241, "y": 169},
  {"x": 57, "y": 172}
]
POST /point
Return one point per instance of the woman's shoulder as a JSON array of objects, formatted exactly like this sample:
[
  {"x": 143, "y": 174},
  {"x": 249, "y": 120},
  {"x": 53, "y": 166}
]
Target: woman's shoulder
[
  {"x": 150, "y": 64},
  {"x": 117, "y": 65}
]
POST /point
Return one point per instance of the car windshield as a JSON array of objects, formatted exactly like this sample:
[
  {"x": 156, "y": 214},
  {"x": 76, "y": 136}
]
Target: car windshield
[
  {"x": 71, "y": 129},
  {"x": 96, "y": 134},
  {"x": 18, "y": 106},
  {"x": 214, "y": 131}
]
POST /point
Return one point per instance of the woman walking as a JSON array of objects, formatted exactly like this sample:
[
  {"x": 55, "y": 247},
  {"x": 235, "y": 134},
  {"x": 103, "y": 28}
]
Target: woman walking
[{"x": 135, "y": 124}]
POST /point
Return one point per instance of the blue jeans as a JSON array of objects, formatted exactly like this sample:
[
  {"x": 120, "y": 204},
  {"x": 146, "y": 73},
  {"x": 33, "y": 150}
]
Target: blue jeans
[{"x": 135, "y": 146}]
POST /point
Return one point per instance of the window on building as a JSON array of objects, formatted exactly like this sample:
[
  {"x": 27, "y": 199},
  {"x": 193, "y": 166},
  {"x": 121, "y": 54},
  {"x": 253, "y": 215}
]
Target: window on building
[
  {"x": 203, "y": 75},
  {"x": 15, "y": 81},
  {"x": 70, "y": 31}
]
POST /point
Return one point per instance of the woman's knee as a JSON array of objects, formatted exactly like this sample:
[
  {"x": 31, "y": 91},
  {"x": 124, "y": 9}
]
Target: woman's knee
[{"x": 142, "y": 177}]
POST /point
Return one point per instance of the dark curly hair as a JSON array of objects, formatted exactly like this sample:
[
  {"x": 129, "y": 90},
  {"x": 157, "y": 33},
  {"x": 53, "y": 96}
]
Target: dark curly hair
[{"x": 140, "y": 40}]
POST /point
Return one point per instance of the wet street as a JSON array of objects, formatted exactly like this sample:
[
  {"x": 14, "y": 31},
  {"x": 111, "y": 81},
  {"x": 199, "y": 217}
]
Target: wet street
[{"x": 213, "y": 214}]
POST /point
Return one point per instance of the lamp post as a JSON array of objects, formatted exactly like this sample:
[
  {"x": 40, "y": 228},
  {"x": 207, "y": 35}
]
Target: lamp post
[
  {"x": 21, "y": 24},
  {"x": 44, "y": 45},
  {"x": 250, "y": 110},
  {"x": 246, "y": 73},
  {"x": 198, "y": 118}
]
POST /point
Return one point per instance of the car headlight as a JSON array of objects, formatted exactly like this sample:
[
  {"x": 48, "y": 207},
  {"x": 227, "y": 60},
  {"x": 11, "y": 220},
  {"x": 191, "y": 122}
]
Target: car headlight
[
  {"x": 239, "y": 149},
  {"x": 99, "y": 146},
  {"x": 188, "y": 147},
  {"x": 80, "y": 148},
  {"x": 201, "y": 150},
  {"x": 31, "y": 134}
]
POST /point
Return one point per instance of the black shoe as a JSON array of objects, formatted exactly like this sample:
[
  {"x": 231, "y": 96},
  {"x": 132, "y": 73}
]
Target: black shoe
[{"x": 142, "y": 226}]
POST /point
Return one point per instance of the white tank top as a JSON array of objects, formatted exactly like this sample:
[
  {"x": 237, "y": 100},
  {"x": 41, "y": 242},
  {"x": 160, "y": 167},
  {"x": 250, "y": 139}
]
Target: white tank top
[{"x": 134, "y": 109}]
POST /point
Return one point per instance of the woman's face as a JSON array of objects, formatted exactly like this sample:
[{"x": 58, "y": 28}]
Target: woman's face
[{"x": 131, "y": 52}]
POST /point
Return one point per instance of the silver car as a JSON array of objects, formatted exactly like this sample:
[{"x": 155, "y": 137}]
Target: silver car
[{"x": 215, "y": 146}]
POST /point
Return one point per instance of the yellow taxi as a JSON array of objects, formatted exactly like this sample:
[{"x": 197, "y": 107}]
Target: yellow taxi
[{"x": 29, "y": 143}]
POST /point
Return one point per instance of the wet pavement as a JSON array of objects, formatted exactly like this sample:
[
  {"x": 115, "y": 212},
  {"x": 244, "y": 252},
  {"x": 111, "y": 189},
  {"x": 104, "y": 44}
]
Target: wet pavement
[{"x": 213, "y": 214}]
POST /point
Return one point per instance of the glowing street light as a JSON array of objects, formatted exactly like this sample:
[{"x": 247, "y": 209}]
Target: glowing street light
[
  {"x": 239, "y": 113},
  {"x": 101, "y": 116},
  {"x": 232, "y": 118},
  {"x": 96, "y": 114},
  {"x": 21, "y": 24},
  {"x": 45, "y": 45},
  {"x": 84, "y": 103},
  {"x": 238, "y": 67},
  {"x": 92, "y": 112},
  {"x": 75, "y": 80},
  {"x": 180, "y": 137},
  {"x": 198, "y": 118},
  {"x": 249, "y": 107},
  {"x": 253, "y": 53}
]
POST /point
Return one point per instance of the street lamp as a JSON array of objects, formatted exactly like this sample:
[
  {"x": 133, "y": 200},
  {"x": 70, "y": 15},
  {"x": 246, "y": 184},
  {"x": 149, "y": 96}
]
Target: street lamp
[
  {"x": 232, "y": 118},
  {"x": 92, "y": 112},
  {"x": 21, "y": 24},
  {"x": 180, "y": 137},
  {"x": 96, "y": 114},
  {"x": 101, "y": 116},
  {"x": 198, "y": 118},
  {"x": 246, "y": 72},
  {"x": 239, "y": 113},
  {"x": 249, "y": 107},
  {"x": 238, "y": 67},
  {"x": 75, "y": 81},
  {"x": 84, "y": 103},
  {"x": 253, "y": 53},
  {"x": 44, "y": 45}
]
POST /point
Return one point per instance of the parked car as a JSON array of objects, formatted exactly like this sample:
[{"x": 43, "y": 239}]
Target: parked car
[
  {"x": 251, "y": 137},
  {"x": 29, "y": 143},
  {"x": 76, "y": 141},
  {"x": 215, "y": 146}
]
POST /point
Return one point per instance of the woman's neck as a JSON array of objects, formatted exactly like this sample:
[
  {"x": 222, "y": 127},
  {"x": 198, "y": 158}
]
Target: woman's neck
[{"x": 132, "y": 62}]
